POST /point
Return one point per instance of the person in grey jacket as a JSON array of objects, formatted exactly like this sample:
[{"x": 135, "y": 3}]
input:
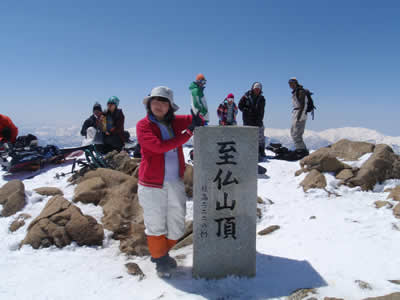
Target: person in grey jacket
[{"x": 299, "y": 116}]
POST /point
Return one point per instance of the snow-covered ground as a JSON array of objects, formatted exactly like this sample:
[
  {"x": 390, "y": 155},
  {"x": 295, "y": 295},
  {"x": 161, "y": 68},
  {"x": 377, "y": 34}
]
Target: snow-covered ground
[{"x": 346, "y": 239}]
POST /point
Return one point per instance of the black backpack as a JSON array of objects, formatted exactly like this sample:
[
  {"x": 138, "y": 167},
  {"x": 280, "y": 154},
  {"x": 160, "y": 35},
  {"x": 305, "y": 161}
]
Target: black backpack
[
  {"x": 310, "y": 105},
  {"x": 26, "y": 141}
]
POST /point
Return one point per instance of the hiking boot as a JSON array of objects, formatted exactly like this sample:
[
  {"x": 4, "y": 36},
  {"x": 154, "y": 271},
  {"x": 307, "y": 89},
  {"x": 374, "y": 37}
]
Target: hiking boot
[
  {"x": 171, "y": 262},
  {"x": 275, "y": 145},
  {"x": 301, "y": 153},
  {"x": 163, "y": 268},
  {"x": 164, "y": 265}
]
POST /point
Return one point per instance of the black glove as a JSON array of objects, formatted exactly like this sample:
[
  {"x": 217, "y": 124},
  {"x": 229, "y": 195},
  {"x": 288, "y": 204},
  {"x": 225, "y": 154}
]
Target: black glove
[
  {"x": 196, "y": 121},
  {"x": 246, "y": 107}
]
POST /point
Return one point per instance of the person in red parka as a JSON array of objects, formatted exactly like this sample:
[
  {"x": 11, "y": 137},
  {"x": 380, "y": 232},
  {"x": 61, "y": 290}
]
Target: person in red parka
[
  {"x": 8, "y": 131},
  {"x": 161, "y": 191}
]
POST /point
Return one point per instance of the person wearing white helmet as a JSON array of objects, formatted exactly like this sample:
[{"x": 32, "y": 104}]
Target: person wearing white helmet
[{"x": 161, "y": 191}]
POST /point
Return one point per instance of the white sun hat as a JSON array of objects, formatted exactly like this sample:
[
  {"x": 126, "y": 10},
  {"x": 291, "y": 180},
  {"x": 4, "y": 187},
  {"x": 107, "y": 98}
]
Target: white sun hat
[{"x": 162, "y": 91}]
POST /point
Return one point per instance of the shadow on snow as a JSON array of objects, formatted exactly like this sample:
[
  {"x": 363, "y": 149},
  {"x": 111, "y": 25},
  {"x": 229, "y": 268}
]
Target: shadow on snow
[{"x": 276, "y": 277}]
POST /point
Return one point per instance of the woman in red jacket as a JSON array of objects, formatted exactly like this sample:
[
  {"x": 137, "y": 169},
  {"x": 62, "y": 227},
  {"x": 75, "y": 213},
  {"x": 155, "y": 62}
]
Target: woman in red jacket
[{"x": 161, "y": 191}]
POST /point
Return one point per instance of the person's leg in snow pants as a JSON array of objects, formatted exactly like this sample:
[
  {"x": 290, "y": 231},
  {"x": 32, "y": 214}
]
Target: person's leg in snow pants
[
  {"x": 261, "y": 137},
  {"x": 261, "y": 142},
  {"x": 164, "y": 213},
  {"x": 297, "y": 132}
]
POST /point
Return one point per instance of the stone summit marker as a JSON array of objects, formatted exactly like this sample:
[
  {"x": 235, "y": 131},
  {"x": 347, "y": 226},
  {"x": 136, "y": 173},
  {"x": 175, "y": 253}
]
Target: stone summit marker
[{"x": 225, "y": 201}]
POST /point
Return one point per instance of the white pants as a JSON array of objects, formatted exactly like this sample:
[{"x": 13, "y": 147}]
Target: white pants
[{"x": 164, "y": 209}]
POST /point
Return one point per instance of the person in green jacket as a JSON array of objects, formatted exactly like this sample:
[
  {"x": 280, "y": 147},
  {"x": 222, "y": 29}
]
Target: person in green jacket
[{"x": 199, "y": 103}]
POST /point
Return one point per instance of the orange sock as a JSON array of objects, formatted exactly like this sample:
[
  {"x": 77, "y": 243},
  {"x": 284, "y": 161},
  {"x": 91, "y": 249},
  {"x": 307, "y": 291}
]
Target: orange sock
[
  {"x": 171, "y": 243},
  {"x": 158, "y": 245}
]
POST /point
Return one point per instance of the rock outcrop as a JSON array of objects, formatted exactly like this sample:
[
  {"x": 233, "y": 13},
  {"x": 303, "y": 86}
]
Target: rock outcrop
[
  {"x": 345, "y": 175},
  {"x": 380, "y": 204},
  {"x": 269, "y": 230},
  {"x": 313, "y": 180},
  {"x": 383, "y": 164},
  {"x": 18, "y": 222},
  {"x": 350, "y": 150},
  {"x": 49, "y": 191},
  {"x": 12, "y": 197},
  {"x": 61, "y": 223},
  {"x": 395, "y": 194},
  {"x": 323, "y": 161},
  {"x": 116, "y": 193},
  {"x": 396, "y": 211},
  {"x": 121, "y": 161}
]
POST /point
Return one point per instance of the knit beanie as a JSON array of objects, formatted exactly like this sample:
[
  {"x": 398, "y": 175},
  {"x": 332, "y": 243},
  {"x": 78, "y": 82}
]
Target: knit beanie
[
  {"x": 200, "y": 77},
  {"x": 113, "y": 100},
  {"x": 97, "y": 106},
  {"x": 257, "y": 85}
]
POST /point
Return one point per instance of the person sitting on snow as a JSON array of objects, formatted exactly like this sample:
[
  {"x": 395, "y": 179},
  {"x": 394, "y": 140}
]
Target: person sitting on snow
[
  {"x": 8, "y": 131},
  {"x": 161, "y": 190},
  {"x": 95, "y": 121},
  {"x": 114, "y": 136},
  {"x": 227, "y": 111}
]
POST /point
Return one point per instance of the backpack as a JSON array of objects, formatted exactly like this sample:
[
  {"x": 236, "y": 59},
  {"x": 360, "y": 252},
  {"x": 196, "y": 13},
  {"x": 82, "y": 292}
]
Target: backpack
[
  {"x": 310, "y": 105},
  {"x": 26, "y": 141}
]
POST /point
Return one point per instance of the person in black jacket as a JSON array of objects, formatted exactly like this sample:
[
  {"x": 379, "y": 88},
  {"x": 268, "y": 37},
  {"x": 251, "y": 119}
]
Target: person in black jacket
[
  {"x": 252, "y": 105},
  {"x": 114, "y": 137},
  {"x": 95, "y": 121}
]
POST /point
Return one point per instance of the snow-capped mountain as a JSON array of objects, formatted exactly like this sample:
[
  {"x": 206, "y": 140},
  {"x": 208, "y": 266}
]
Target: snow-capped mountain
[
  {"x": 317, "y": 139},
  {"x": 59, "y": 136},
  {"x": 70, "y": 136}
]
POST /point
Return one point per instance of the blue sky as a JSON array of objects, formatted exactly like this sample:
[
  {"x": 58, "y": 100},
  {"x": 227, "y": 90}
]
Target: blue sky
[{"x": 59, "y": 57}]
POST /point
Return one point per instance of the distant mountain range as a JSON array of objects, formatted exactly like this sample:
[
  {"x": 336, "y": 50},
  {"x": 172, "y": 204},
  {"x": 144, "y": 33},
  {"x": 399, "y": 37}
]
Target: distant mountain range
[
  {"x": 70, "y": 136},
  {"x": 318, "y": 139}
]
